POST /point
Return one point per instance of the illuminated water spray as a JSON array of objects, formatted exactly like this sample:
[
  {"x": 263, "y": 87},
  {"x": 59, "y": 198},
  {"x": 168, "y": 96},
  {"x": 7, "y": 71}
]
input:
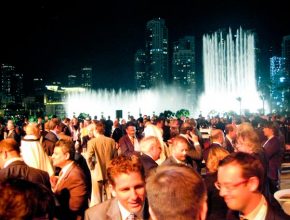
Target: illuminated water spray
[
  {"x": 106, "y": 102},
  {"x": 229, "y": 72}
]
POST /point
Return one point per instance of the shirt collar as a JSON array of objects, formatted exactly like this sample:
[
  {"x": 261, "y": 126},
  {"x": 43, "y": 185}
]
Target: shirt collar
[
  {"x": 66, "y": 167},
  {"x": 259, "y": 212},
  {"x": 125, "y": 213},
  {"x": 8, "y": 162}
]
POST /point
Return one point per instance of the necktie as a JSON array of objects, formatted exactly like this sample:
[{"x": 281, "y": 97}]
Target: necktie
[{"x": 132, "y": 216}]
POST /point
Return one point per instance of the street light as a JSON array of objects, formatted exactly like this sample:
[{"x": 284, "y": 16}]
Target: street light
[
  {"x": 239, "y": 99},
  {"x": 263, "y": 101}
]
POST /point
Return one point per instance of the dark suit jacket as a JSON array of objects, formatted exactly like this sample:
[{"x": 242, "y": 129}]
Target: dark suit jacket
[
  {"x": 217, "y": 208},
  {"x": 117, "y": 134},
  {"x": 188, "y": 162},
  {"x": 148, "y": 163},
  {"x": 109, "y": 210},
  {"x": 48, "y": 143},
  {"x": 228, "y": 145},
  {"x": 126, "y": 146},
  {"x": 72, "y": 194},
  {"x": 273, "y": 213},
  {"x": 273, "y": 154},
  {"x": 19, "y": 169},
  {"x": 14, "y": 136}
]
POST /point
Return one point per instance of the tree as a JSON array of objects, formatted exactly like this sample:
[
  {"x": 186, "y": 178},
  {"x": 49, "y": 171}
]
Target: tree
[{"x": 182, "y": 113}]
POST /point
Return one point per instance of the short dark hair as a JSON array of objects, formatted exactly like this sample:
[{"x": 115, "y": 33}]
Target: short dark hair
[
  {"x": 22, "y": 199},
  {"x": 9, "y": 144},
  {"x": 175, "y": 192},
  {"x": 67, "y": 147},
  {"x": 130, "y": 123},
  {"x": 250, "y": 166}
]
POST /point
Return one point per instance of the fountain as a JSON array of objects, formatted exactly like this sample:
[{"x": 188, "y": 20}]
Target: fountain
[
  {"x": 107, "y": 102},
  {"x": 229, "y": 82},
  {"x": 229, "y": 73}
]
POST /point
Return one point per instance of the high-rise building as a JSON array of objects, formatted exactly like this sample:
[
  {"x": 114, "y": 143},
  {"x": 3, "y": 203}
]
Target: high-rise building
[
  {"x": 183, "y": 66},
  {"x": 11, "y": 85},
  {"x": 279, "y": 91},
  {"x": 72, "y": 80},
  {"x": 140, "y": 70},
  {"x": 157, "y": 51},
  {"x": 86, "y": 77},
  {"x": 286, "y": 52}
]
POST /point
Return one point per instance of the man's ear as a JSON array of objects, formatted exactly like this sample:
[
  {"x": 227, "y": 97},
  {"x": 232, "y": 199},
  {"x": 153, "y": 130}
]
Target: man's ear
[
  {"x": 67, "y": 155},
  {"x": 5, "y": 154},
  {"x": 253, "y": 183},
  {"x": 203, "y": 210},
  {"x": 111, "y": 187},
  {"x": 152, "y": 215}
]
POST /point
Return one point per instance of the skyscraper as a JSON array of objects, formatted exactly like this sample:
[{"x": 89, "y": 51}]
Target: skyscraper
[
  {"x": 279, "y": 84},
  {"x": 11, "y": 85},
  {"x": 157, "y": 51},
  {"x": 140, "y": 70},
  {"x": 286, "y": 52},
  {"x": 183, "y": 66},
  {"x": 86, "y": 77}
]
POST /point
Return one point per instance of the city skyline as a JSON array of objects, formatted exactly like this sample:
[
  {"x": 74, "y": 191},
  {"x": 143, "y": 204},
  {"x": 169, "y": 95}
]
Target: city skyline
[{"x": 52, "y": 39}]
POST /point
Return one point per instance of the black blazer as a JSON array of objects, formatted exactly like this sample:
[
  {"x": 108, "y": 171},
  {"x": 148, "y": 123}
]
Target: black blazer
[
  {"x": 19, "y": 169},
  {"x": 273, "y": 213},
  {"x": 126, "y": 146},
  {"x": 148, "y": 163}
]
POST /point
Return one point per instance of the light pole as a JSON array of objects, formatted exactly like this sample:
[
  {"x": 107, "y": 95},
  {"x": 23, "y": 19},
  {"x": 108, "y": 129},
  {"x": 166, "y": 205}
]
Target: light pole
[
  {"x": 239, "y": 99},
  {"x": 263, "y": 103}
]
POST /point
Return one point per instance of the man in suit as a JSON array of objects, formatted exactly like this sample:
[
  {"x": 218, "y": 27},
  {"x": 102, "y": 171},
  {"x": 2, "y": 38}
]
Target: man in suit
[
  {"x": 70, "y": 187},
  {"x": 240, "y": 181},
  {"x": 126, "y": 177},
  {"x": 151, "y": 150},
  {"x": 129, "y": 144},
  {"x": 101, "y": 150},
  {"x": 188, "y": 200},
  {"x": 13, "y": 166},
  {"x": 273, "y": 151},
  {"x": 51, "y": 137},
  {"x": 230, "y": 139},
  {"x": 11, "y": 132},
  {"x": 179, "y": 153},
  {"x": 187, "y": 131},
  {"x": 217, "y": 139}
]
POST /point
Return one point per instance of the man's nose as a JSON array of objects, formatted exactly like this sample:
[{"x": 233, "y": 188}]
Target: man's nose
[{"x": 133, "y": 194}]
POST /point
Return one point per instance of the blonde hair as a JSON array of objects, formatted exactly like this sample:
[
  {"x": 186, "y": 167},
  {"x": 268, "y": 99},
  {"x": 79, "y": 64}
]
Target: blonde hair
[
  {"x": 250, "y": 137},
  {"x": 32, "y": 129},
  {"x": 215, "y": 155}
]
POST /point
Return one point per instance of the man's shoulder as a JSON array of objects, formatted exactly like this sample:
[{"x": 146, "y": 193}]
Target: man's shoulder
[
  {"x": 169, "y": 161},
  {"x": 101, "y": 210},
  {"x": 276, "y": 213}
]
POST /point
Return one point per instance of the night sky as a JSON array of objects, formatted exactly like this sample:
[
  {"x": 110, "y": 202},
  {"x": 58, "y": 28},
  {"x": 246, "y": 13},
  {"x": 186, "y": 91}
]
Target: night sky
[{"x": 52, "y": 38}]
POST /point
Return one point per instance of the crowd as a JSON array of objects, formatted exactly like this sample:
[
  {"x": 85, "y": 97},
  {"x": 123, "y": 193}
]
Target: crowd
[{"x": 145, "y": 168}]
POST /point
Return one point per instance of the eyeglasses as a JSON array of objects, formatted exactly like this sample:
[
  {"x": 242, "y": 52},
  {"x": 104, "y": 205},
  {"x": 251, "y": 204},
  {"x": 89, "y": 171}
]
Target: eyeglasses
[{"x": 229, "y": 187}]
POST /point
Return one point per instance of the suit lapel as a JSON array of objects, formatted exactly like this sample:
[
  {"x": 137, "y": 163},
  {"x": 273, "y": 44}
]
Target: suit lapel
[
  {"x": 65, "y": 176},
  {"x": 113, "y": 211}
]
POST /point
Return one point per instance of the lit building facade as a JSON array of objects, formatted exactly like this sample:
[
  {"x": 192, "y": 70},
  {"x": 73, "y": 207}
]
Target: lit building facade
[
  {"x": 184, "y": 66},
  {"x": 280, "y": 90},
  {"x": 140, "y": 70},
  {"x": 286, "y": 52},
  {"x": 86, "y": 77},
  {"x": 157, "y": 51},
  {"x": 12, "y": 91}
]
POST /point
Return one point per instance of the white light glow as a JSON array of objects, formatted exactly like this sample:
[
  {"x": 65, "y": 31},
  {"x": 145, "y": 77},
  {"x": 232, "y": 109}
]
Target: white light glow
[
  {"x": 106, "y": 102},
  {"x": 229, "y": 73}
]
